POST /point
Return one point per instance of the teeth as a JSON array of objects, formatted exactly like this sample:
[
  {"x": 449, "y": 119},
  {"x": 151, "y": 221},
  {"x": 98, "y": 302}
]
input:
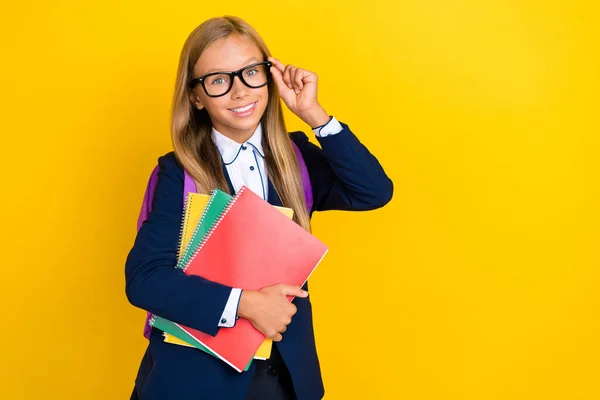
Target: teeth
[{"x": 243, "y": 108}]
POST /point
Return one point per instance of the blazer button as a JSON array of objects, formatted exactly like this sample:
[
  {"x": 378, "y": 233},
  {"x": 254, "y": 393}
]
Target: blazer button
[
  {"x": 244, "y": 147},
  {"x": 272, "y": 371},
  {"x": 223, "y": 321},
  {"x": 251, "y": 168}
]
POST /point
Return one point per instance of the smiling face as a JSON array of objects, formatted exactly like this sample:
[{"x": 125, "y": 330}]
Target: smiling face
[{"x": 237, "y": 113}]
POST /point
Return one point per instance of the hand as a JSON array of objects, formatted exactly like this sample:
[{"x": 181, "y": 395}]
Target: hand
[
  {"x": 298, "y": 89},
  {"x": 268, "y": 309}
]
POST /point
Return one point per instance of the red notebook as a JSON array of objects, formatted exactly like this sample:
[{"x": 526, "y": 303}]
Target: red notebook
[{"x": 251, "y": 246}]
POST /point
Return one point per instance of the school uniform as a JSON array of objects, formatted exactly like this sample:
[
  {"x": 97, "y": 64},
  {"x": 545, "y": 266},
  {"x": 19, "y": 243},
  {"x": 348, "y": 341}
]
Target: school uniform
[{"x": 344, "y": 175}]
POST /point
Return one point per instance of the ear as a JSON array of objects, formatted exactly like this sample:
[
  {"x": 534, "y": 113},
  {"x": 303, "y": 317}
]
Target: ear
[{"x": 195, "y": 100}]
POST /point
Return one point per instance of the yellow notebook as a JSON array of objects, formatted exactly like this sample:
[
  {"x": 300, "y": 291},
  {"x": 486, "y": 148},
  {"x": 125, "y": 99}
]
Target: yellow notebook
[
  {"x": 194, "y": 208},
  {"x": 263, "y": 352}
]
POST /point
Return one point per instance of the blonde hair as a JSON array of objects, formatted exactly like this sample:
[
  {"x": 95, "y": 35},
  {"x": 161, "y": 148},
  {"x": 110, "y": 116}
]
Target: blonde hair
[{"x": 191, "y": 128}]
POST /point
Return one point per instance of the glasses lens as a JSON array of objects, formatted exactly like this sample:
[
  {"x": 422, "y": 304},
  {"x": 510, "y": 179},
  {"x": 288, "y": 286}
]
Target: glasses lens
[
  {"x": 217, "y": 84},
  {"x": 255, "y": 76}
]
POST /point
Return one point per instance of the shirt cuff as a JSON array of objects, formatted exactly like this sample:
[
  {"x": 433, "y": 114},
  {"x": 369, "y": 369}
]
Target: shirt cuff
[
  {"x": 330, "y": 128},
  {"x": 229, "y": 316}
]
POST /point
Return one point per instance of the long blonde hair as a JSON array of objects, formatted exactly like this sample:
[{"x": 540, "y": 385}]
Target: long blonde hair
[{"x": 191, "y": 128}]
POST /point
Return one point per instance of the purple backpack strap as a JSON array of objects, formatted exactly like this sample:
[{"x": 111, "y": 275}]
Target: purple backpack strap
[
  {"x": 188, "y": 186},
  {"x": 147, "y": 203},
  {"x": 306, "y": 185}
]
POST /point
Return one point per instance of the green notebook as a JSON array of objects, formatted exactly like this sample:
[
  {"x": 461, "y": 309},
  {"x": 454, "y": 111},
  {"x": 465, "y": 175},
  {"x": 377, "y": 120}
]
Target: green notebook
[
  {"x": 172, "y": 329},
  {"x": 216, "y": 206}
]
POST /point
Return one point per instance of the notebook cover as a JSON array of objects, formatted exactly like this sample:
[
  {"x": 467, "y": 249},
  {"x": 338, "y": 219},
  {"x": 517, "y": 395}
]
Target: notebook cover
[
  {"x": 181, "y": 338},
  {"x": 195, "y": 204},
  {"x": 264, "y": 351},
  {"x": 173, "y": 340},
  {"x": 270, "y": 249}
]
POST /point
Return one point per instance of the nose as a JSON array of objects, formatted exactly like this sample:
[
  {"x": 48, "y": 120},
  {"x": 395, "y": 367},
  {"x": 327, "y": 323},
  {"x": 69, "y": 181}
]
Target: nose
[{"x": 239, "y": 90}]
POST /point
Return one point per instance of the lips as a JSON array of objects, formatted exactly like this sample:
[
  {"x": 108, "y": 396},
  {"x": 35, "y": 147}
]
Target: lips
[{"x": 245, "y": 110}]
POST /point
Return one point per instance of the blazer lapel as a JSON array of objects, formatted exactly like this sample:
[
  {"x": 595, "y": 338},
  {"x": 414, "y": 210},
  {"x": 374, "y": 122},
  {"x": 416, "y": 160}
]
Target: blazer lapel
[
  {"x": 273, "y": 197},
  {"x": 227, "y": 178}
]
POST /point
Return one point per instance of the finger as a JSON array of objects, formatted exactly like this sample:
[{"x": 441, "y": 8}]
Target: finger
[
  {"x": 293, "y": 71},
  {"x": 271, "y": 333},
  {"x": 289, "y": 290},
  {"x": 293, "y": 310},
  {"x": 309, "y": 77},
  {"x": 300, "y": 73},
  {"x": 278, "y": 78},
  {"x": 278, "y": 64},
  {"x": 286, "y": 76},
  {"x": 277, "y": 338},
  {"x": 293, "y": 74}
]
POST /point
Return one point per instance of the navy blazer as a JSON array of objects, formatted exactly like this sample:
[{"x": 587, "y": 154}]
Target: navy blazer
[{"x": 344, "y": 176}]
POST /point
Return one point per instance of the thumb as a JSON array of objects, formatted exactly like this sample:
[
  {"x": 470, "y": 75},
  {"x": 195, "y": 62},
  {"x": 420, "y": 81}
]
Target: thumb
[{"x": 288, "y": 290}]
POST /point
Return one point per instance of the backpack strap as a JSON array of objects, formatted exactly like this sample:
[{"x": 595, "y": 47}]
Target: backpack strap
[
  {"x": 147, "y": 203},
  {"x": 188, "y": 185},
  {"x": 306, "y": 185}
]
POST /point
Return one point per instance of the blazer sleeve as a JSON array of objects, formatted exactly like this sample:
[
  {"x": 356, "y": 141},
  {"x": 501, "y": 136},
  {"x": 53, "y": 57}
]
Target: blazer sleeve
[
  {"x": 152, "y": 281},
  {"x": 344, "y": 175}
]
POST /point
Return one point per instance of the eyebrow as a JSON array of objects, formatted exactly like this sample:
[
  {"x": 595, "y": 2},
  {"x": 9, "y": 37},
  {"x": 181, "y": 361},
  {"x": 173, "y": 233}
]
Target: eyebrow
[{"x": 247, "y": 62}]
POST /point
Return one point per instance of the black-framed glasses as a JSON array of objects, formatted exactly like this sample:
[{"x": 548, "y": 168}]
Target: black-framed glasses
[{"x": 218, "y": 84}]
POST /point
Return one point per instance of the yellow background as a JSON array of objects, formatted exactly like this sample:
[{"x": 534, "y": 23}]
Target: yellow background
[{"x": 478, "y": 282}]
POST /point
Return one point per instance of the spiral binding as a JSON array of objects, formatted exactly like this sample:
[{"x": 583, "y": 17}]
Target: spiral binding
[
  {"x": 210, "y": 201},
  {"x": 215, "y": 225},
  {"x": 184, "y": 222},
  {"x": 152, "y": 320}
]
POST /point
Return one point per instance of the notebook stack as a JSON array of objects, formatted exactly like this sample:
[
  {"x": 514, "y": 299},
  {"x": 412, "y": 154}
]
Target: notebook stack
[{"x": 242, "y": 242}]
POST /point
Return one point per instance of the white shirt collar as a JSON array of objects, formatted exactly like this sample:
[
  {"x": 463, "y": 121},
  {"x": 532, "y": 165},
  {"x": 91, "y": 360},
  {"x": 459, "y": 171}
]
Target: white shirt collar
[{"x": 230, "y": 149}]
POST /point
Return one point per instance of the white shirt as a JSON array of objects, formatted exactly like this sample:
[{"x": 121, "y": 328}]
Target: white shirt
[{"x": 245, "y": 164}]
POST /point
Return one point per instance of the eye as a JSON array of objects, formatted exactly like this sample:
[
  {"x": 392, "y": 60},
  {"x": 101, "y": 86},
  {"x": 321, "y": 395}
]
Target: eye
[
  {"x": 251, "y": 72},
  {"x": 218, "y": 79}
]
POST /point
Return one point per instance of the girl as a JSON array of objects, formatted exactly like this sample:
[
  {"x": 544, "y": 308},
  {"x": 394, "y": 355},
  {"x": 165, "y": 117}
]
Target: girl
[{"x": 228, "y": 131}]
